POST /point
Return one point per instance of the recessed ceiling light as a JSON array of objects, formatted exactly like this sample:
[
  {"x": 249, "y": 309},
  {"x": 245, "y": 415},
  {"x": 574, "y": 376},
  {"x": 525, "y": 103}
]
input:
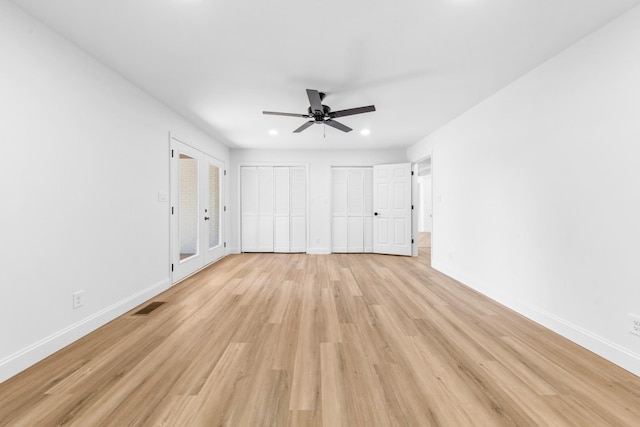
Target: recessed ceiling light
[
  {"x": 365, "y": 132},
  {"x": 273, "y": 132}
]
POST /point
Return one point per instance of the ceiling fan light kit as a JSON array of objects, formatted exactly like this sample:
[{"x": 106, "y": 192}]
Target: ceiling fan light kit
[{"x": 320, "y": 113}]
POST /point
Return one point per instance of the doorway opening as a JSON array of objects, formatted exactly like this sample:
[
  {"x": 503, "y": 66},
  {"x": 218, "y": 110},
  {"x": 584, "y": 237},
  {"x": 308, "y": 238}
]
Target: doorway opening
[{"x": 424, "y": 193}]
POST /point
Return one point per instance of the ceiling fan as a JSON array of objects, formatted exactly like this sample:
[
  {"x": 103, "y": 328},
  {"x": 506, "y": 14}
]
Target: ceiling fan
[{"x": 322, "y": 113}]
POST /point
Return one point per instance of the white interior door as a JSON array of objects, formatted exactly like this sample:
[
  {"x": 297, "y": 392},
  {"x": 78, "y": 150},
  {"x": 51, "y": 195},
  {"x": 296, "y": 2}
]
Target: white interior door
[
  {"x": 197, "y": 219},
  {"x": 392, "y": 209},
  {"x": 352, "y": 209},
  {"x": 282, "y": 202},
  {"x": 250, "y": 209},
  {"x": 368, "y": 210},
  {"x": 265, "y": 205},
  {"x": 298, "y": 209},
  {"x": 274, "y": 209},
  {"x": 212, "y": 178},
  {"x": 339, "y": 210},
  {"x": 355, "y": 210},
  {"x": 257, "y": 209}
]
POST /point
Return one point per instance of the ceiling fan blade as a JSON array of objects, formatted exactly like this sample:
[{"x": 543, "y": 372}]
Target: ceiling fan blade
[
  {"x": 315, "y": 101},
  {"x": 352, "y": 111},
  {"x": 337, "y": 125},
  {"x": 274, "y": 113},
  {"x": 304, "y": 126}
]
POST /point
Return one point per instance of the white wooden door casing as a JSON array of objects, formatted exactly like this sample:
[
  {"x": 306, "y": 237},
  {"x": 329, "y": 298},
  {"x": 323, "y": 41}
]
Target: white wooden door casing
[{"x": 392, "y": 209}]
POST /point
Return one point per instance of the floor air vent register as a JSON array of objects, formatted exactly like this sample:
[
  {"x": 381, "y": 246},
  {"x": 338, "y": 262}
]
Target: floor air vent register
[{"x": 149, "y": 308}]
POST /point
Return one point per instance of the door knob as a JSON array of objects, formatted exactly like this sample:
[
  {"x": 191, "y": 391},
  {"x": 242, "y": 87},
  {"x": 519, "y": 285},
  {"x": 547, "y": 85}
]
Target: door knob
[
  {"x": 375, "y": 213},
  {"x": 206, "y": 218}
]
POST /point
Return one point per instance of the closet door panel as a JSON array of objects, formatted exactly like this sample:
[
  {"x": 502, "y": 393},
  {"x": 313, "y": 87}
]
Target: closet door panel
[
  {"x": 298, "y": 234},
  {"x": 368, "y": 210},
  {"x": 355, "y": 188},
  {"x": 339, "y": 234},
  {"x": 339, "y": 198},
  {"x": 265, "y": 233},
  {"x": 298, "y": 206},
  {"x": 281, "y": 190},
  {"x": 298, "y": 191},
  {"x": 339, "y": 210},
  {"x": 266, "y": 204},
  {"x": 282, "y": 239},
  {"x": 250, "y": 233},
  {"x": 368, "y": 234},
  {"x": 355, "y": 233},
  {"x": 356, "y": 192},
  {"x": 265, "y": 190},
  {"x": 250, "y": 209}
]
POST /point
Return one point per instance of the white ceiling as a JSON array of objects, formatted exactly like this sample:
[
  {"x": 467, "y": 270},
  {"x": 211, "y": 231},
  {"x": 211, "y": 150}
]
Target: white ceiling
[{"x": 220, "y": 63}]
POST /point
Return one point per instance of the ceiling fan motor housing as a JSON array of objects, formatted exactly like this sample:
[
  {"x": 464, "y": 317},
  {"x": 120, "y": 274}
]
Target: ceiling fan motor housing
[{"x": 319, "y": 115}]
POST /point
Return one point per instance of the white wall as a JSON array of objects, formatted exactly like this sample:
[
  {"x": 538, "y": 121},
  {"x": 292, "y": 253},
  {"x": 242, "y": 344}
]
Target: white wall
[
  {"x": 84, "y": 155},
  {"x": 537, "y": 197},
  {"x": 319, "y": 164}
]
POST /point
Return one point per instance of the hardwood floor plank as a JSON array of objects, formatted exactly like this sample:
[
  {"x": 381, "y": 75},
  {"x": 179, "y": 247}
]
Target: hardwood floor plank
[
  {"x": 305, "y": 388},
  {"x": 333, "y": 393},
  {"x": 222, "y": 386},
  {"x": 362, "y": 387}
]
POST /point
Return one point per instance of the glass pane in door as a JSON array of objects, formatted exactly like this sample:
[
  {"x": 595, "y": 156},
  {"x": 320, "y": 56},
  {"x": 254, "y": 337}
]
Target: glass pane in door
[
  {"x": 214, "y": 206},
  {"x": 188, "y": 206}
]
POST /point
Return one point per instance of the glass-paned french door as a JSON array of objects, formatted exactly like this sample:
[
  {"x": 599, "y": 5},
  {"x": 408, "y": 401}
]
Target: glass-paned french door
[{"x": 197, "y": 209}]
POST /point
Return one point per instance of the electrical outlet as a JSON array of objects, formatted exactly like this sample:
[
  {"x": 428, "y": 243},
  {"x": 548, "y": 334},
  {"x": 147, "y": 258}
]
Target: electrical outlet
[
  {"x": 634, "y": 324},
  {"x": 78, "y": 299}
]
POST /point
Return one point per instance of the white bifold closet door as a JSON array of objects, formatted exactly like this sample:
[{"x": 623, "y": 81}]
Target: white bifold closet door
[
  {"x": 298, "y": 209},
  {"x": 282, "y": 223},
  {"x": 257, "y": 209},
  {"x": 352, "y": 209},
  {"x": 274, "y": 201}
]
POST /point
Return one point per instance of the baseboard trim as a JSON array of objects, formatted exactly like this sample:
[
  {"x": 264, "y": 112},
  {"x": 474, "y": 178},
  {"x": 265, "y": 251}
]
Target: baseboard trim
[
  {"x": 319, "y": 251},
  {"x": 601, "y": 346},
  {"x": 29, "y": 356}
]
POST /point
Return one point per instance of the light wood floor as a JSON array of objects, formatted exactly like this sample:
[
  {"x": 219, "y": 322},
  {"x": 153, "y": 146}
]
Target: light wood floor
[
  {"x": 424, "y": 240},
  {"x": 332, "y": 340}
]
